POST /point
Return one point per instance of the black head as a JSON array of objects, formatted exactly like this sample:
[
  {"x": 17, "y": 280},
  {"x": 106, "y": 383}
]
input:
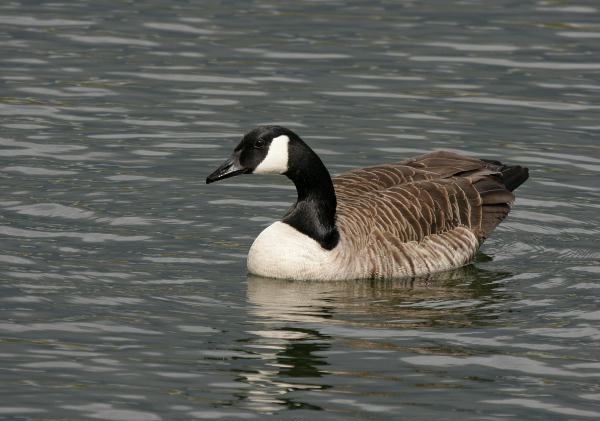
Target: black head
[
  {"x": 277, "y": 150},
  {"x": 263, "y": 150}
]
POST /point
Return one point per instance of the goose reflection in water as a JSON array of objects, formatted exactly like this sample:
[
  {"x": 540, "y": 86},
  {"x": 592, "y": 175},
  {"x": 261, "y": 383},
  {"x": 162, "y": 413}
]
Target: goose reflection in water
[
  {"x": 447, "y": 297},
  {"x": 299, "y": 321}
]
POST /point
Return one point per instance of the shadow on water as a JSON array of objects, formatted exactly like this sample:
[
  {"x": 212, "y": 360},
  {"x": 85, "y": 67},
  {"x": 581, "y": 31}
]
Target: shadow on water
[{"x": 299, "y": 322}]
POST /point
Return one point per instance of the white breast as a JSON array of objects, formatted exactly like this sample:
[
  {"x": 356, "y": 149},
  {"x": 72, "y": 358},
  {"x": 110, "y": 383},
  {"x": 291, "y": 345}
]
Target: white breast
[{"x": 281, "y": 251}]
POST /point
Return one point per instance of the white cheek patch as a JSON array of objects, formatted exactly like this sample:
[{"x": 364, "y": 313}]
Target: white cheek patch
[{"x": 276, "y": 161}]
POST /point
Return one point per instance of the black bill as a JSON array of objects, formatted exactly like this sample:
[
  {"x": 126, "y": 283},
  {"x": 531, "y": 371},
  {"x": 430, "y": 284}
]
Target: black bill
[{"x": 227, "y": 169}]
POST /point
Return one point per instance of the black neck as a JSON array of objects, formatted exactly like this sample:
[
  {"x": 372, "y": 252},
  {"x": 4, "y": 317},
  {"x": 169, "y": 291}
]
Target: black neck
[{"x": 313, "y": 213}]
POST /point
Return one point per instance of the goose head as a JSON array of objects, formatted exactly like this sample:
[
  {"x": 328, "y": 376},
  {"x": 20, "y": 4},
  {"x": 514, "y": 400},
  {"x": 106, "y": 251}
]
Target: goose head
[
  {"x": 277, "y": 150},
  {"x": 263, "y": 150}
]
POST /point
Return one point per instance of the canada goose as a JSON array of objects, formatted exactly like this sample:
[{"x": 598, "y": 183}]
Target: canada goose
[{"x": 418, "y": 216}]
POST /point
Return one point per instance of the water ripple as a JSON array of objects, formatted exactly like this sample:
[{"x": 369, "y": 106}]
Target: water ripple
[
  {"x": 73, "y": 91},
  {"x": 76, "y": 327},
  {"x": 578, "y": 34},
  {"x": 177, "y": 27},
  {"x": 37, "y": 170},
  {"x": 253, "y": 203},
  {"x": 186, "y": 77},
  {"x": 187, "y": 260},
  {"x": 108, "y": 40},
  {"x": 361, "y": 94},
  {"x": 91, "y": 237},
  {"x": 293, "y": 55},
  {"x": 566, "y": 9},
  {"x": 546, "y": 406},
  {"x": 34, "y": 21},
  {"x": 15, "y": 260},
  {"x": 228, "y": 92},
  {"x": 131, "y": 177},
  {"x": 39, "y": 111},
  {"x": 105, "y": 301},
  {"x": 510, "y": 63},
  {"x": 52, "y": 210},
  {"x": 12, "y": 410},
  {"x": 104, "y": 411},
  {"x": 499, "y": 362},
  {"x": 544, "y": 105},
  {"x": 472, "y": 47}
]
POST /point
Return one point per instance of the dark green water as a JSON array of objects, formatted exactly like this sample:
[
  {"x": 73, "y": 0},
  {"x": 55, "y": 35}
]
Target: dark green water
[{"x": 123, "y": 290}]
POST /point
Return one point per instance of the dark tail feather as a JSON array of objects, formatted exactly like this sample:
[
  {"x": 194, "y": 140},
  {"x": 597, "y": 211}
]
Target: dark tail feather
[
  {"x": 511, "y": 176},
  {"x": 496, "y": 194}
]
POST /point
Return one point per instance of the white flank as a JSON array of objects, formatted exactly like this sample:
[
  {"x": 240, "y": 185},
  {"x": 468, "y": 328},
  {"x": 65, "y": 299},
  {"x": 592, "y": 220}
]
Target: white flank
[{"x": 276, "y": 161}]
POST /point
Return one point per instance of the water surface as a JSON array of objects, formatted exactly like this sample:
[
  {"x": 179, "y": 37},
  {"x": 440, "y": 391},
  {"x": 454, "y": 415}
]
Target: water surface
[{"x": 124, "y": 294}]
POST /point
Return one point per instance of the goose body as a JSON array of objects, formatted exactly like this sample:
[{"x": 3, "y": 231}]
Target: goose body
[{"x": 422, "y": 215}]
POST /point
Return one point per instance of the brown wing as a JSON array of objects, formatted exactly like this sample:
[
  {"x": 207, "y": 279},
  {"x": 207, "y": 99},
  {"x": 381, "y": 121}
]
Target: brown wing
[
  {"x": 430, "y": 194},
  {"x": 430, "y": 166}
]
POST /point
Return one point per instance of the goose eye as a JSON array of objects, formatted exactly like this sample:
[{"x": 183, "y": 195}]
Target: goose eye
[{"x": 259, "y": 143}]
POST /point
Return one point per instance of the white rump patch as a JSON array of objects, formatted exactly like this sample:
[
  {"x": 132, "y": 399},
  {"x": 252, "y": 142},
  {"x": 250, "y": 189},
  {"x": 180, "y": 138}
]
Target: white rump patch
[{"x": 276, "y": 161}]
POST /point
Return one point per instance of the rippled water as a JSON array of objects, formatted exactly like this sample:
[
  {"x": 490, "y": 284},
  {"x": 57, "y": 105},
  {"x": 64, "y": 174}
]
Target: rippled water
[{"x": 124, "y": 294}]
